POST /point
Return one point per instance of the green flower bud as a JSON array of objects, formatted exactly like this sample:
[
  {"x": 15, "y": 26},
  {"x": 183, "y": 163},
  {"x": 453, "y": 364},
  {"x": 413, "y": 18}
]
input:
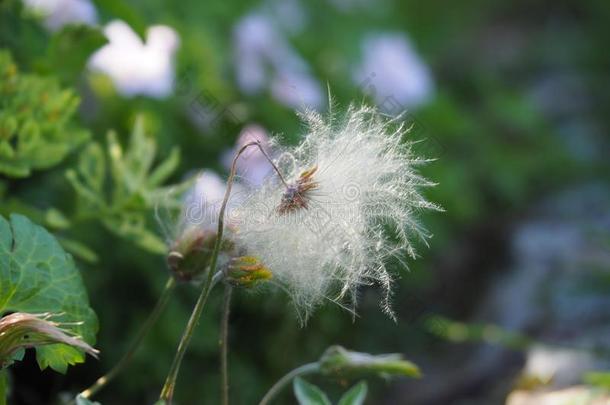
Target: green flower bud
[
  {"x": 339, "y": 362},
  {"x": 191, "y": 253},
  {"x": 246, "y": 271}
]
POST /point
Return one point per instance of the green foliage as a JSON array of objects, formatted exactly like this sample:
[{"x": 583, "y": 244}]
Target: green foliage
[
  {"x": 20, "y": 32},
  {"x": 58, "y": 357},
  {"x": 356, "y": 395},
  {"x": 121, "y": 188},
  {"x": 459, "y": 332},
  {"x": 79, "y": 249},
  {"x": 37, "y": 276},
  {"x": 55, "y": 221},
  {"x": 123, "y": 11},
  {"x": 70, "y": 48},
  {"x": 598, "y": 379},
  {"x": 35, "y": 121},
  {"x": 4, "y": 389},
  {"x": 308, "y": 394}
]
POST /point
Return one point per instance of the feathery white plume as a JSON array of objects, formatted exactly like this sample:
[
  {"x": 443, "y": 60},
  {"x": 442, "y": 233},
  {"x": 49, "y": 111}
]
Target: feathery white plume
[{"x": 347, "y": 206}]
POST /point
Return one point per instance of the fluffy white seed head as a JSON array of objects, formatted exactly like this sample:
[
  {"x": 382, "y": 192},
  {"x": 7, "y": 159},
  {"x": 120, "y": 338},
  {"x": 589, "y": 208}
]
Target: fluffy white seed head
[{"x": 359, "y": 213}]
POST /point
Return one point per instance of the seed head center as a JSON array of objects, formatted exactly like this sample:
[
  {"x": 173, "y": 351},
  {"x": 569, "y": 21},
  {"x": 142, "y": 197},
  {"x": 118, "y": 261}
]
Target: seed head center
[{"x": 298, "y": 193}]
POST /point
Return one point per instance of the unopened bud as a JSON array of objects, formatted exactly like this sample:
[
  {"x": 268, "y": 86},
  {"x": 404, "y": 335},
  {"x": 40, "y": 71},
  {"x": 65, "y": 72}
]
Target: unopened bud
[
  {"x": 246, "y": 271},
  {"x": 190, "y": 255},
  {"x": 339, "y": 362}
]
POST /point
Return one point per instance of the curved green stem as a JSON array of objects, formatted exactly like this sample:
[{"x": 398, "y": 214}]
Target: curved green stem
[
  {"x": 167, "y": 392},
  {"x": 224, "y": 344},
  {"x": 309, "y": 368},
  {"x": 142, "y": 333}
]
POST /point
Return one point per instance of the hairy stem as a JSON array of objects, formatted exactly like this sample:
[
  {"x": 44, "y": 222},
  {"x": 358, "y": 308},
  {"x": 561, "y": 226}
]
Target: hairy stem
[
  {"x": 309, "y": 368},
  {"x": 135, "y": 344},
  {"x": 167, "y": 392},
  {"x": 224, "y": 344}
]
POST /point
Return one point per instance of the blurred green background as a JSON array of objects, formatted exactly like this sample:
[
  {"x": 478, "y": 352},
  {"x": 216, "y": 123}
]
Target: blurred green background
[{"x": 514, "y": 107}]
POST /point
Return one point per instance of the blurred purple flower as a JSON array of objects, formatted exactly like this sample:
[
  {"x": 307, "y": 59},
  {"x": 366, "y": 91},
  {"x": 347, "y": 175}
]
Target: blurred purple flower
[
  {"x": 264, "y": 59},
  {"x": 296, "y": 89},
  {"x": 391, "y": 68},
  {"x": 289, "y": 14},
  {"x": 202, "y": 203},
  {"x": 252, "y": 167}
]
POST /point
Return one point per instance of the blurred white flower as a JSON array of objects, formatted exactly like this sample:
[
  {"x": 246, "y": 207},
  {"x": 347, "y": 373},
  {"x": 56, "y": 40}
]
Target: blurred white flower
[
  {"x": 252, "y": 167},
  {"x": 578, "y": 394},
  {"x": 57, "y": 13},
  {"x": 347, "y": 208},
  {"x": 265, "y": 59},
  {"x": 202, "y": 203},
  {"x": 254, "y": 38},
  {"x": 391, "y": 68},
  {"x": 136, "y": 67},
  {"x": 561, "y": 366},
  {"x": 199, "y": 209}
]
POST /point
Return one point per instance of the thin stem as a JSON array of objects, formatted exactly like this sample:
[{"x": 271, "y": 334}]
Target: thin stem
[
  {"x": 224, "y": 343},
  {"x": 272, "y": 164},
  {"x": 167, "y": 392},
  {"x": 309, "y": 368},
  {"x": 135, "y": 344}
]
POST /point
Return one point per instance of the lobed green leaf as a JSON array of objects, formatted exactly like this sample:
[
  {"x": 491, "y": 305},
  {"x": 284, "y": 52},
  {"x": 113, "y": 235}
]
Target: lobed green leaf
[{"x": 38, "y": 276}]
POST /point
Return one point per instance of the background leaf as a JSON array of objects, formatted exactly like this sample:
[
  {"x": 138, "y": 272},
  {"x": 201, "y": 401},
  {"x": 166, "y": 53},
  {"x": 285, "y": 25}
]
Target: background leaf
[
  {"x": 35, "y": 121},
  {"x": 3, "y": 387},
  {"x": 71, "y": 47},
  {"x": 134, "y": 186},
  {"x": 598, "y": 379},
  {"x": 356, "y": 395},
  {"x": 122, "y": 10},
  {"x": 308, "y": 394}
]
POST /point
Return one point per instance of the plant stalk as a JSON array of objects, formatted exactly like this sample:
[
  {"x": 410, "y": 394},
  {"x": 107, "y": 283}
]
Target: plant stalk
[
  {"x": 135, "y": 344},
  {"x": 224, "y": 344},
  {"x": 309, "y": 368},
  {"x": 167, "y": 392}
]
